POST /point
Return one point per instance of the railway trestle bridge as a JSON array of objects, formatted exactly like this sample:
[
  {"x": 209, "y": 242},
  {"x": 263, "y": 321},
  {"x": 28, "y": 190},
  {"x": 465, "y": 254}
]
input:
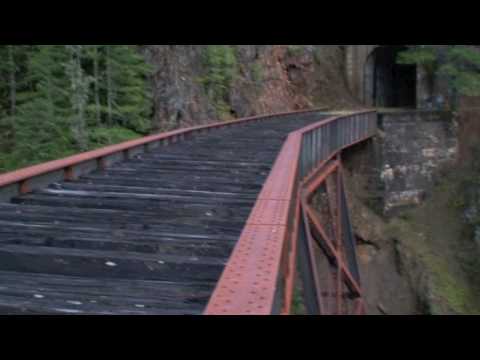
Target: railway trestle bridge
[{"x": 223, "y": 219}]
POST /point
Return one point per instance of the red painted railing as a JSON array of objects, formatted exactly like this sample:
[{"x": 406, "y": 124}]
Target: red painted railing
[
  {"x": 259, "y": 278},
  {"x": 260, "y": 275},
  {"x": 71, "y": 168}
]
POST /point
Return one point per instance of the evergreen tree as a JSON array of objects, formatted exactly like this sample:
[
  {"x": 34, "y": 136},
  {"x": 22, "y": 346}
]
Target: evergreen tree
[
  {"x": 128, "y": 95},
  {"x": 111, "y": 93},
  {"x": 460, "y": 64},
  {"x": 79, "y": 87},
  {"x": 94, "y": 54},
  {"x": 56, "y": 100},
  {"x": 12, "y": 69},
  {"x": 221, "y": 67},
  {"x": 12, "y": 79},
  {"x": 8, "y": 71},
  {"x": 7, "y": 96},
  {"x": 42, "y": 126}
]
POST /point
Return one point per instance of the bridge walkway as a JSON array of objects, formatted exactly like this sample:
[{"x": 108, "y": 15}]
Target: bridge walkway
[{"x": 150, "y": 235}]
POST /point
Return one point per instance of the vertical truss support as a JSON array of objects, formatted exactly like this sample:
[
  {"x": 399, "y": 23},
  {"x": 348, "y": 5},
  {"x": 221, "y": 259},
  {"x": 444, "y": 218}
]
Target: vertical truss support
[{"x": 339, "y": 249}]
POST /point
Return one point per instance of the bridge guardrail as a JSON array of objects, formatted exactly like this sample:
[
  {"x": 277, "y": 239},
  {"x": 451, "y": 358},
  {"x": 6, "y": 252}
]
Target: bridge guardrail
[
  {"x": 25, "y": 180},
  {"x": 259, "y": 278}
]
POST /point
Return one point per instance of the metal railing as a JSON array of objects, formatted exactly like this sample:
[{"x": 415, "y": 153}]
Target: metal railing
[
  {"x": 283, "y": 229},
  {"x": 324, "y": 140},
  {"x": 34, "y": 177},
  {"x": 260, "y": 275}
]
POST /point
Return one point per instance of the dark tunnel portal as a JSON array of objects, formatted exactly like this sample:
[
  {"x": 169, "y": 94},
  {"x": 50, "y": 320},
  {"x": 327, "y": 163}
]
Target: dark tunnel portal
[{"x": 389, "y": 84}]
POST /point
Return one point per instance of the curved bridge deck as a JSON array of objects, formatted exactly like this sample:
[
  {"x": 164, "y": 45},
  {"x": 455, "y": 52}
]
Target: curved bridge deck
[{"x": 150, "y": 235}]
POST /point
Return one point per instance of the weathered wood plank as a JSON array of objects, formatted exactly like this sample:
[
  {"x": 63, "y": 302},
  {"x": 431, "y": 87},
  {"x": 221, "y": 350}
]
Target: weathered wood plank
[{"x": 150, "y": 235}]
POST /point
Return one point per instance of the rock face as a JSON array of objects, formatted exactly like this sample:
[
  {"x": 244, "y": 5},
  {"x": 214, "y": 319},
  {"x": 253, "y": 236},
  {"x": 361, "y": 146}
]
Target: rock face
[
  {"x": 386, "y": 289},
  {"x": 268, "y": 78},
  {"x": 178, "y": 97}
]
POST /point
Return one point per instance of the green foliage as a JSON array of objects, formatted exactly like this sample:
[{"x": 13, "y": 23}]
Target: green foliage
[
  {"x": 450, "y": 293},
  {"x": 56, "y": 100},
  {"x": 294, "y": 50},
  {"x": 463, "y": 68},
  {"x": 56, "y": 142},
  {"x": 464, "y": 56},
  {"x": 460, "y": 64},
  {"x": 257, "y": 72},
  {"x": 132, "y": 95},
  {"x": 298, "y": 305},
  {"x": 41, "y": 125},
  {"x": 100, "y": 137},
  {"x": 441, "y": 287},
  {"x": 221, "y": 66},
  {"x": 41, "y": 138},
  {"x": 425, "y": 56}
]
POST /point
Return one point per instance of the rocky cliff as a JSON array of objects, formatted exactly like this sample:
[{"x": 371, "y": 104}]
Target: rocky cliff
[{"x": 196, "y": 84}]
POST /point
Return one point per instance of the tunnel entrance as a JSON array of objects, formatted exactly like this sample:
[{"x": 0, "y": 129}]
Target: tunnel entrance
[{"x": 389, "y": 84}]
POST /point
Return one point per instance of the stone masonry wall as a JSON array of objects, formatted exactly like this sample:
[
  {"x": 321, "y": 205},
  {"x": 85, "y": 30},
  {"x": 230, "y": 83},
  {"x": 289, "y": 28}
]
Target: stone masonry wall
[{"x": 414, "y": 146}]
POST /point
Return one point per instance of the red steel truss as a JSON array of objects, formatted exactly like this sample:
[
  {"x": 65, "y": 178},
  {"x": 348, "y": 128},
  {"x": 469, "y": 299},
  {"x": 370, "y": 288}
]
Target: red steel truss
[{"x": 285, "y": 231}]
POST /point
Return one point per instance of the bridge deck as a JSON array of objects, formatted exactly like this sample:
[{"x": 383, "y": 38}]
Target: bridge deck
[{"x": 147, "y": 236}]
